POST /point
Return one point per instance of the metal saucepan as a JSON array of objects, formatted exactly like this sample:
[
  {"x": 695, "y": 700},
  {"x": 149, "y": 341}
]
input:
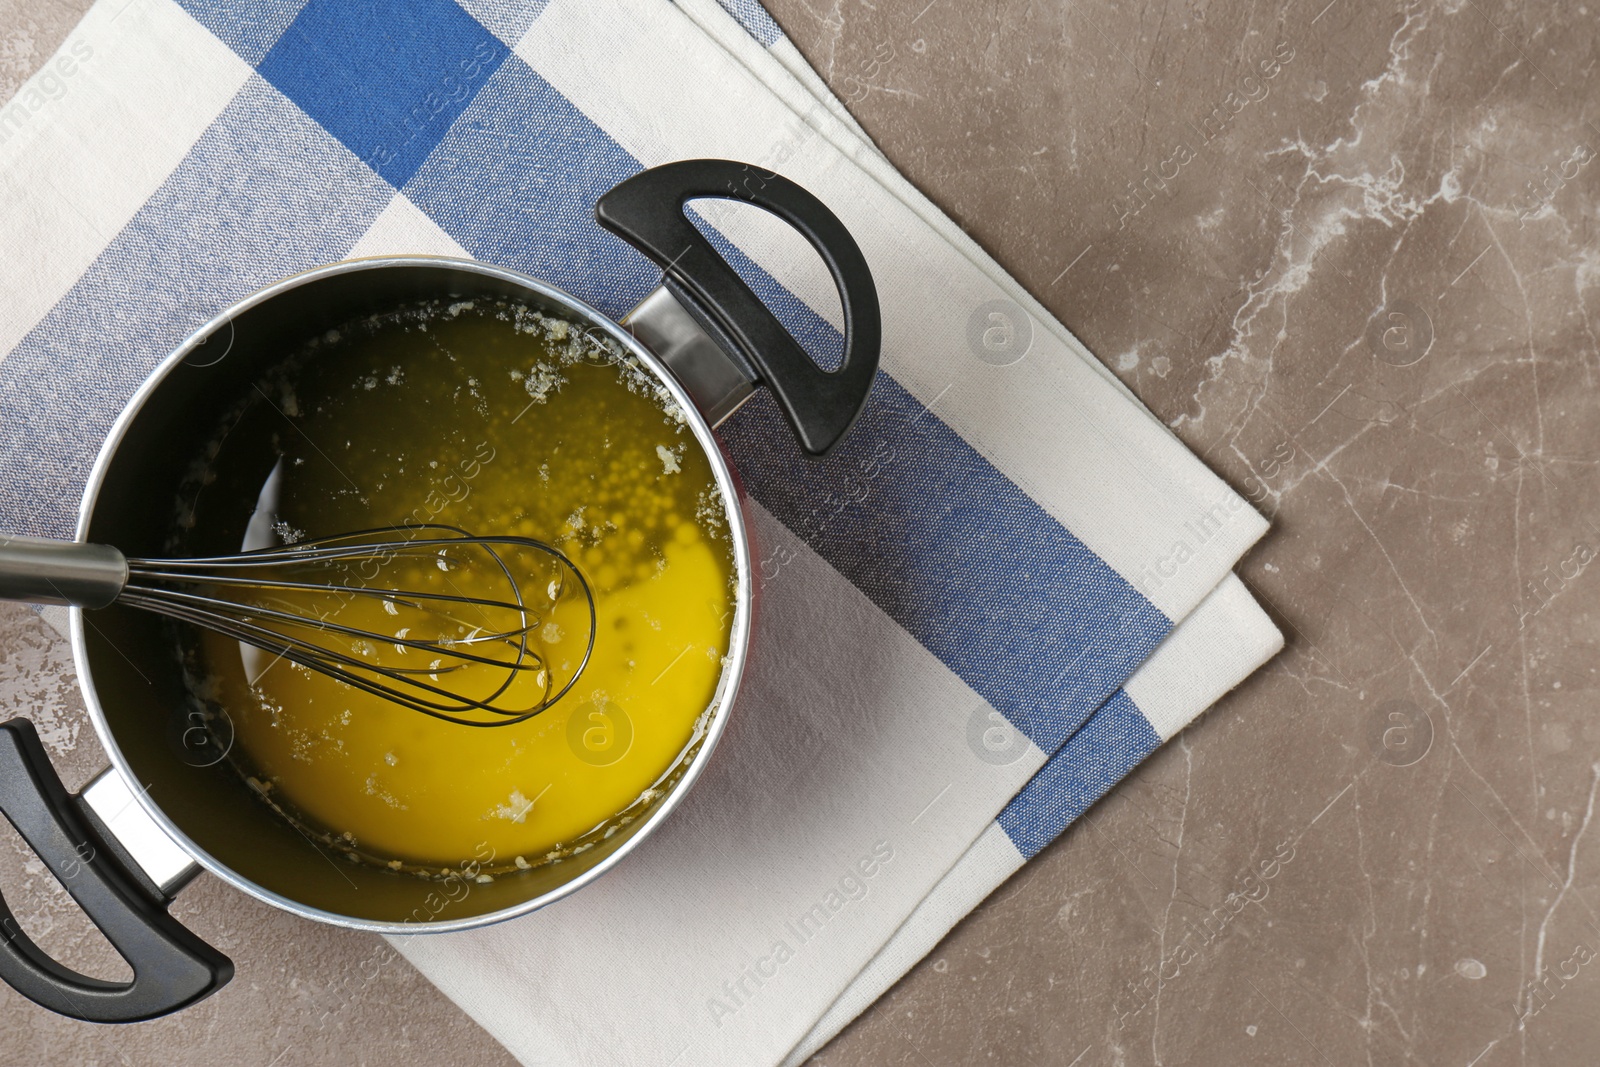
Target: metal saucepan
[{"x": 143, "y": 828}]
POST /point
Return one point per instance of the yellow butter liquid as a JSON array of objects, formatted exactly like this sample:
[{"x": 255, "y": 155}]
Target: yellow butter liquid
[{"x": 500, "y": 421}]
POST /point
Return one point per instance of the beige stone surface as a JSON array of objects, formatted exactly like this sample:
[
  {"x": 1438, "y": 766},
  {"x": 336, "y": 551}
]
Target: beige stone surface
[
  {"x": 1337, "y": 285},
  {"x": 1342, "y": 291}
]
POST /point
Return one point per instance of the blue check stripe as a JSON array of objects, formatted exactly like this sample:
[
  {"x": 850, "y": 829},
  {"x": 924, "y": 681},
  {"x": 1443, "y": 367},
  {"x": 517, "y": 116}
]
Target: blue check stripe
[
  {"x": 755, "y": 20},
  {"x": 1093, "y": 760},
  {"x": 939, "y": 539},
  {"x": 238, "y": 213},
  {"x": 249, "y": 27},
  {"x": 388, "y": 82},
  {"x": 515, "y": 182},
  {"x": 509, "y": 19}
]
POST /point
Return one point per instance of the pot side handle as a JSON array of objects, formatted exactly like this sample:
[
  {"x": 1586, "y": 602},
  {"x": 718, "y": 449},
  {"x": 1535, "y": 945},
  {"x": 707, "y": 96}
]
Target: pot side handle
[
  {"x": 647, "y": 210},
  {"x": 172, "y": 968}
]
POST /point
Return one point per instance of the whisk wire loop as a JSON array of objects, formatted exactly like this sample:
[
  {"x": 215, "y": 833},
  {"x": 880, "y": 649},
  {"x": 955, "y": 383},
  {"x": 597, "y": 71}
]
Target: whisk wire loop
[{"x": 242, "y": 597}]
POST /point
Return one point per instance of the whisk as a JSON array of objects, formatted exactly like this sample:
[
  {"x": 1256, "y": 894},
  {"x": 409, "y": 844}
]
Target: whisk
[{"x": 462, "y": 615}]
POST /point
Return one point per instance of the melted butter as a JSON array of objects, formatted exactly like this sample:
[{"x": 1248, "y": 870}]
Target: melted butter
[{"x": 502, "y": 422}]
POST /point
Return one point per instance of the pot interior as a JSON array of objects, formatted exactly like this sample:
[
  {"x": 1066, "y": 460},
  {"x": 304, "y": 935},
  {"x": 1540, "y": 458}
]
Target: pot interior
[{"x": 131, "y": 672}]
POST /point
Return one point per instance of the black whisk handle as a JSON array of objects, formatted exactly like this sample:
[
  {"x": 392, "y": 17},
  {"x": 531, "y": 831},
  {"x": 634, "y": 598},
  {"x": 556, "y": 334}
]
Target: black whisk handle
[{"x": 40, "y": 571}]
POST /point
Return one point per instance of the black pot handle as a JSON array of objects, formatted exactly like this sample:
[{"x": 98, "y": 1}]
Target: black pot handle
[
  {"x": 172, "y": 968},
  {"x": 647, "y": 211}
]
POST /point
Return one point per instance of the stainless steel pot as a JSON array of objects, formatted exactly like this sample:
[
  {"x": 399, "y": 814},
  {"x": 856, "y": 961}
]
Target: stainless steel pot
[{"x": 167, "y": 806}]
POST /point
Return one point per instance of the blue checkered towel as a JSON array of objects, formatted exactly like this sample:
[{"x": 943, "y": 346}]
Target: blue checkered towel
[{"x": 1027, "y": 590}]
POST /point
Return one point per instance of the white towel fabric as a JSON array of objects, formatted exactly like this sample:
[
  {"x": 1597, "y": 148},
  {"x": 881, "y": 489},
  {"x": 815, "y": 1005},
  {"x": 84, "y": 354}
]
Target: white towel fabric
[
  {"x": 1023, "y": 540},
  {"x": 1214, "y": 649}
]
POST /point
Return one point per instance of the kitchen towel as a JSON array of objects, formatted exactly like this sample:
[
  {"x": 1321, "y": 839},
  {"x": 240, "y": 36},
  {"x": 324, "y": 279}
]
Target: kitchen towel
[
  {"x": 1217, "y": 646},
  {"x": 584, "y": 979},
  {"x": 1225, "y": 639},
  {"x": 1005, "y": 538}
]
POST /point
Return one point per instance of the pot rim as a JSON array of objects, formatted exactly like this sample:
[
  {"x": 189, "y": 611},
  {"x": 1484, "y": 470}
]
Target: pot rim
[{"x": 739, "y": 635}]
